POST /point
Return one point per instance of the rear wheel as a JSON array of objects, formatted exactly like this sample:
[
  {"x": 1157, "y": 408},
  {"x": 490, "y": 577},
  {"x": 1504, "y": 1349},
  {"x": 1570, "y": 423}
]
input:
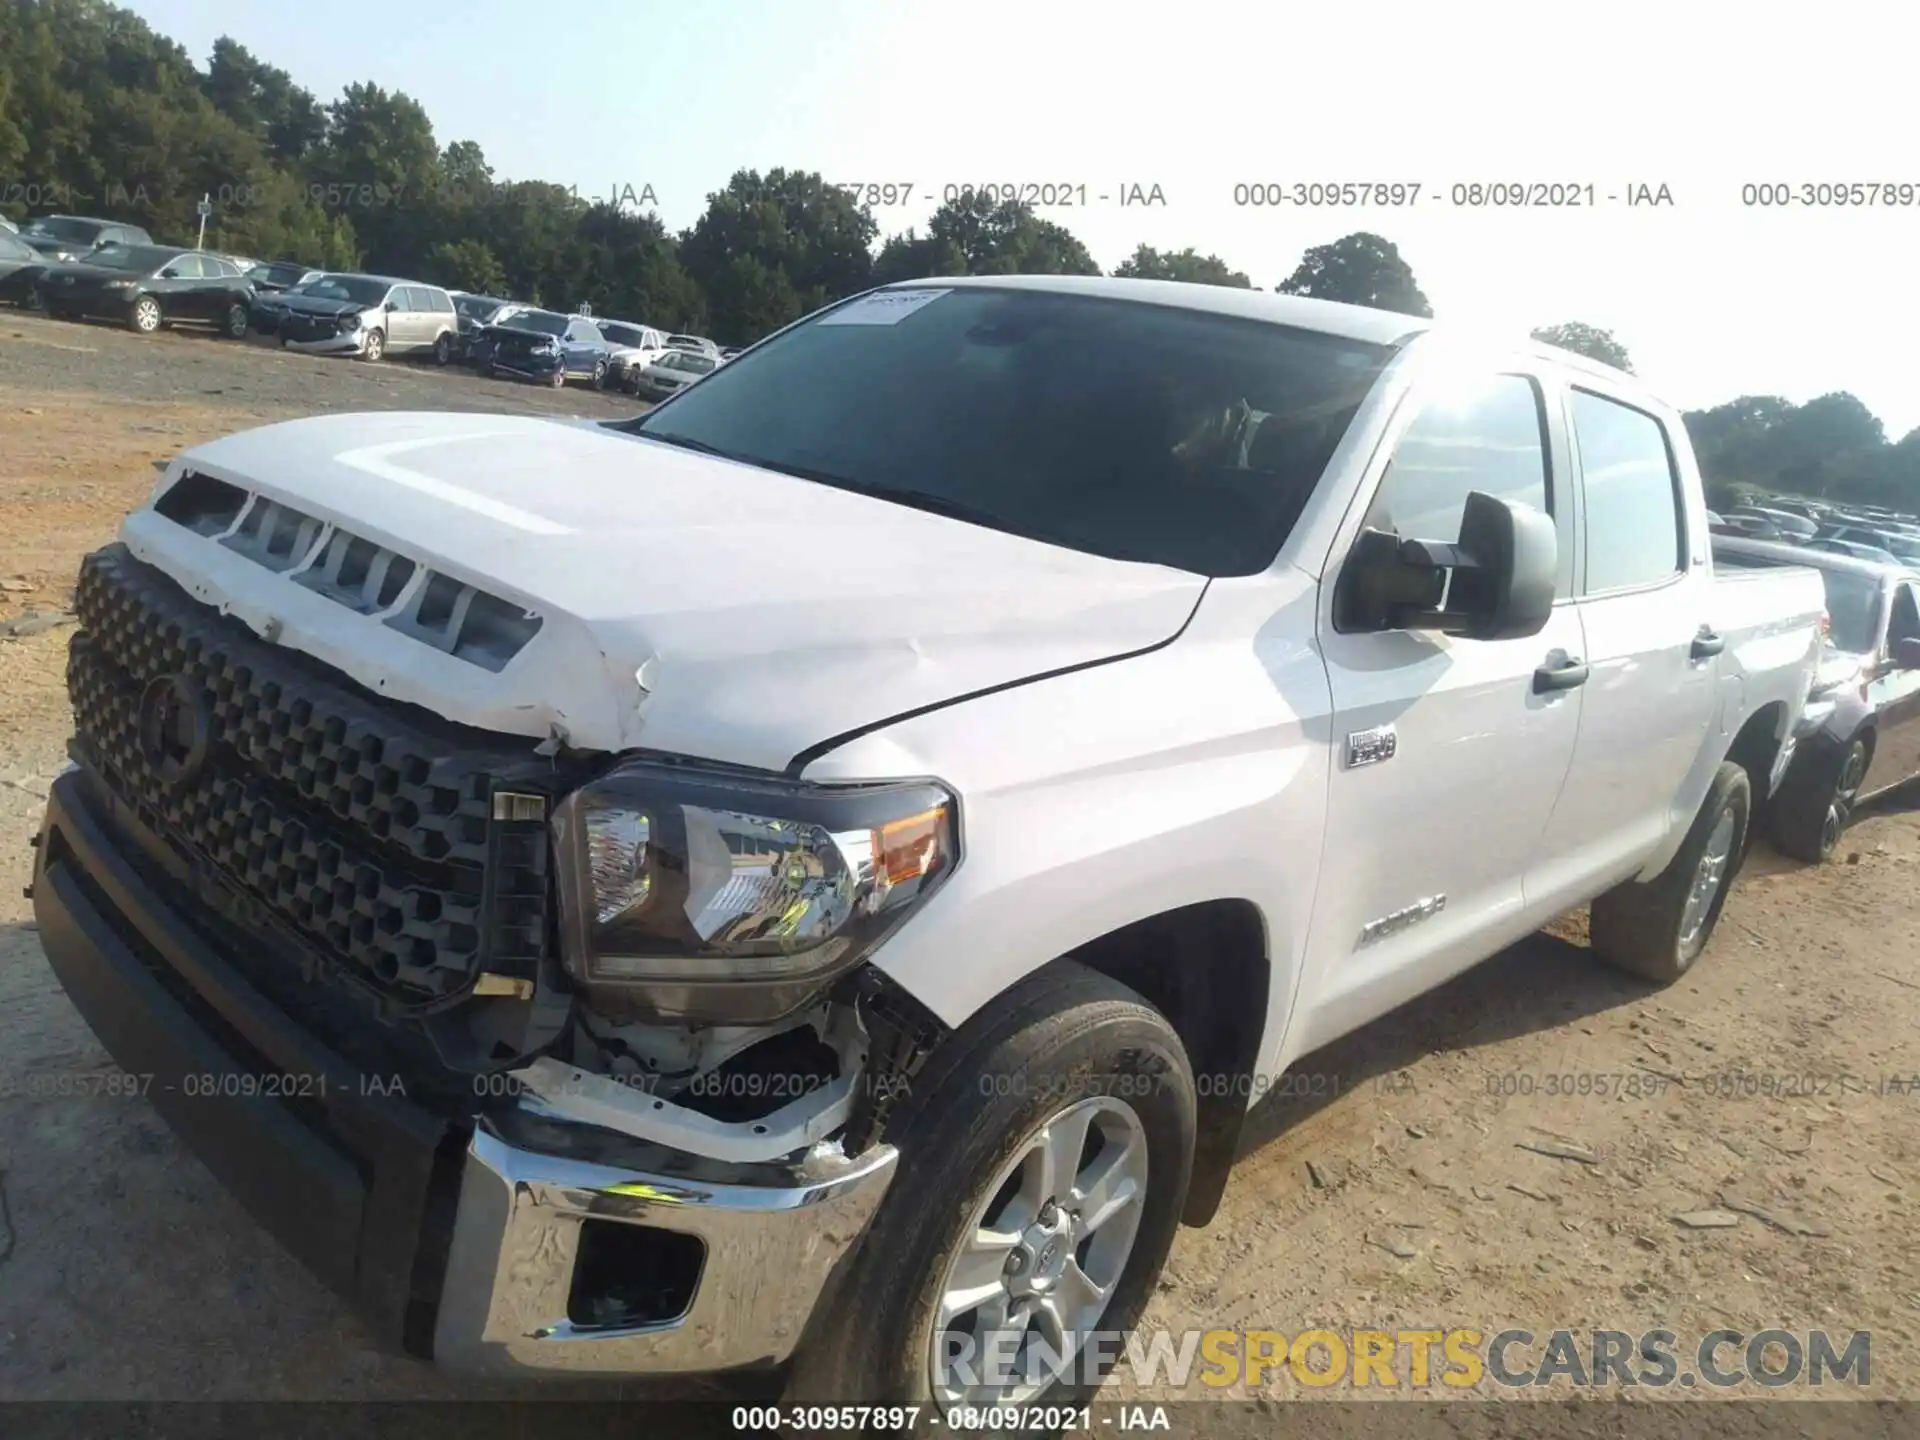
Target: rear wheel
[
  {"x": 145, "y": 315},
  {"x": 1808, "y": 822},
  {"x": 235, "y": 322},
  {"x": 1046, "y": 1150},
  {"x": 1657, "y": 929}
]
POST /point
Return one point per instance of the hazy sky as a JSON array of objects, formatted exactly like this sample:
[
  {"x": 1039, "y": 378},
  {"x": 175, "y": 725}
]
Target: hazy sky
[{"x": 1711, "y": 297}]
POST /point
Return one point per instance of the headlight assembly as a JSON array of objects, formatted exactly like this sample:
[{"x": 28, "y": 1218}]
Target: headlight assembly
[{"x": 709, "y": 897}]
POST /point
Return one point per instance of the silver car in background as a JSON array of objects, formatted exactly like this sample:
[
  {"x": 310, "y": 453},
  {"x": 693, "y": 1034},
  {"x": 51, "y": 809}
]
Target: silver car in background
[
  {"x": 671, "y": 373},
  {"x": 371, "y": 316}
]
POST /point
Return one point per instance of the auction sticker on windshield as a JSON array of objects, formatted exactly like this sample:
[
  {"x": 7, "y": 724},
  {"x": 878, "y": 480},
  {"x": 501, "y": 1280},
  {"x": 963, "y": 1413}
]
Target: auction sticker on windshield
[{"x": 887, "y": 307}]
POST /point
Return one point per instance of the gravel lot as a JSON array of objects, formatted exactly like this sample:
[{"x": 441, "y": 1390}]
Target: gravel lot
[{"x": 1394, "y": 1192}]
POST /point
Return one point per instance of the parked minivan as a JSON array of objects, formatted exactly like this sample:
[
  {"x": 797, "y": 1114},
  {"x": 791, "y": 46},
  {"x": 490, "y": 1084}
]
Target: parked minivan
[{"x": 371, "y": 316}]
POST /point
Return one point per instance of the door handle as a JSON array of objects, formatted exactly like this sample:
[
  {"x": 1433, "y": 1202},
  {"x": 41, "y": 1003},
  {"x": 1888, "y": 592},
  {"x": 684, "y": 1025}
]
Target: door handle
[
  {"x": 1567, "y": 675},
  {"x": 1707, "y": 644}
]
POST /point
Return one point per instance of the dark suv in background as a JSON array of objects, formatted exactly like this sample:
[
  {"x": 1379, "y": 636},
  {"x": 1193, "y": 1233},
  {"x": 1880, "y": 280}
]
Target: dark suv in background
[{"x": 73, "y": 237}]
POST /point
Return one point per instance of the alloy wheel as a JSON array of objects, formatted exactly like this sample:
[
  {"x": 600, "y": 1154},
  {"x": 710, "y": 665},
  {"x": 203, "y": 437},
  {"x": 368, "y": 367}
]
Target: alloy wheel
[{"x": 1042, "y": 1255}]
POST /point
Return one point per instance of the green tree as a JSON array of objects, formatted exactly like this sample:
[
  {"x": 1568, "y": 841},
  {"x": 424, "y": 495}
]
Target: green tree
[
  {"x": 1358, "y": 269},
  {"x": 1588, "y": 340},
  {"x": 808, "y": 242},
  {"x": 465, "y": 265},
  {"x": 977, "y": 235},
  {"x": 1147, "y": 263}
]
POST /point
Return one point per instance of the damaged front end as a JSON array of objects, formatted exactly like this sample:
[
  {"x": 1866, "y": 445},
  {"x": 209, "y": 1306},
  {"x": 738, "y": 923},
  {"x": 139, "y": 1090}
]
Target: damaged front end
[
  {"x": 700, "y": 1147},
  {"x": 550, "y": 1061}
]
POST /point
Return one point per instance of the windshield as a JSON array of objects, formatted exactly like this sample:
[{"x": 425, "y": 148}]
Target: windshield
[
  {"x": 62, "y": 227},
  {"x": 1853, "y": 603},
  {"x": 356, "y": 289},
  {"x": 690, "y": 342},
  {"x": 624, "y": 334},
  {"x": 1136, "y": 431},
  {"x": 688, "y": 360},
  {"x": 476, "y": 307},
  {"x": 141, "y": 258},
  {"x": 540, "y": 322}
]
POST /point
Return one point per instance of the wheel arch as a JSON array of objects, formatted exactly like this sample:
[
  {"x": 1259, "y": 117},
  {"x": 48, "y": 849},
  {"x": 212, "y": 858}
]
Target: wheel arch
[{"x": 1207, "y": 967}]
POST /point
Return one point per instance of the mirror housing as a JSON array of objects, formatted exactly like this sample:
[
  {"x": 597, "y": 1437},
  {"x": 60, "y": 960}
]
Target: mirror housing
[{"x": 1496, "y": 582}]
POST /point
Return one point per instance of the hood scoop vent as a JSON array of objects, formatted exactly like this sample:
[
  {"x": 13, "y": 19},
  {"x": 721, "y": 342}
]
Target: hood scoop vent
[{"x": 452, "y": 616}]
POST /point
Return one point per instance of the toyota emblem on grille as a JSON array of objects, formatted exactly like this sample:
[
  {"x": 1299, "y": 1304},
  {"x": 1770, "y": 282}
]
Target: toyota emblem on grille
[{"x": 175, "y": 726}]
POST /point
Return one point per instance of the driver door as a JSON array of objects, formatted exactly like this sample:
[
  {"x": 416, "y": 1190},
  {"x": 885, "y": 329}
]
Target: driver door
[
  {"x": 182, "y": 291},
  {"x": 1449, "y": 753}
]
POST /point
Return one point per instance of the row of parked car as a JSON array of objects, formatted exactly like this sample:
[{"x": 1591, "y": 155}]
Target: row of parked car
[{"x": 79, "y": 267}]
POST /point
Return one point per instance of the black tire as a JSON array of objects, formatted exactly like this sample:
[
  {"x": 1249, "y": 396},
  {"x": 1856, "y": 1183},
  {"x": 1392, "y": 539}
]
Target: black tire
[
  {"x": 559, "y": 380},
  {"x": 1806, "y": 822},
  {"x": 374, "y": 348},
  {"x": 600, "y": 375},
  {"x": 1063, "y": 1036},
  {"x": 1645, "y": 929},
  {"x": 144, "y": 316},
  {"x": 237, "y": 321},
  {"x": 489, "y": 371},
  {"x": 443, "y": 350},
  {"x": 34, "y": 300}
]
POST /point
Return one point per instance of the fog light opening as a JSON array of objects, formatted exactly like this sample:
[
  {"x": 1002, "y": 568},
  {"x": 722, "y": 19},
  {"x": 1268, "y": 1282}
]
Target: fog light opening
[{"x": 626, "y": 1276}]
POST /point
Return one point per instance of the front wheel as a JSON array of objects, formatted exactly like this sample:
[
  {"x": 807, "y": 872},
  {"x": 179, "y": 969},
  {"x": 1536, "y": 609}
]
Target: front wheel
[
  {"x": 34, "y": 300},
  {"x": 559, "y": 380},
  {"x": 1656, "y": 930},
  {"x": 145, "y": 316},
  {"x": 374, "y": 348},
  {"x": 443, "y": 350},
  {"x": 600, "y": 375},
  {"x": 1046, "y": 1150}
]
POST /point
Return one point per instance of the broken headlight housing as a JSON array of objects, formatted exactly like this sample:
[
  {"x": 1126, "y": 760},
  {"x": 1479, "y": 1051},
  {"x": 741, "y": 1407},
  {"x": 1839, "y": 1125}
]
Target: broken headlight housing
[{"x": 714, "y": 898}]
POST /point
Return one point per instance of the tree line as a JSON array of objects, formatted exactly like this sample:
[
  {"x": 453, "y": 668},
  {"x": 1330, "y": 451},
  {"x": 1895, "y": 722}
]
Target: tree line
[{"x": 100, "y": 114}]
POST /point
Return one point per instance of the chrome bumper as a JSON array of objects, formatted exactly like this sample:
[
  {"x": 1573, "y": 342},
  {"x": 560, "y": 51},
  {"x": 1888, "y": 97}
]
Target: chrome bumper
[{"x": 769, "y": 1251}]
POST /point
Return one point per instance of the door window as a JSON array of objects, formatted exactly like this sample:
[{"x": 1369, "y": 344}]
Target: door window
[
  {"x": 1632, "y": 495},
  {"x": 1489, "y": 434},
  {"x": 183, "y": 267}
]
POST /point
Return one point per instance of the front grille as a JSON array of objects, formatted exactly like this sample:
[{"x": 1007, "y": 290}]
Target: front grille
[
  {"x": 361, "y": 826},
  {"x": 308, "y": 328}
]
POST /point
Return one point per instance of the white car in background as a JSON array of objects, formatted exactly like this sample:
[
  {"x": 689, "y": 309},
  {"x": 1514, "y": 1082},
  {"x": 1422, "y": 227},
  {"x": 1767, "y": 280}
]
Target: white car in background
[
  {"x": 633, "y": 347},
  {"x": 672, "y": 372}
]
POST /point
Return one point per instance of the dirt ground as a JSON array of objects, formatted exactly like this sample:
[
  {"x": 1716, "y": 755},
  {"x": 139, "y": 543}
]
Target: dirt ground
[{"x": 1782, "y": 1076}]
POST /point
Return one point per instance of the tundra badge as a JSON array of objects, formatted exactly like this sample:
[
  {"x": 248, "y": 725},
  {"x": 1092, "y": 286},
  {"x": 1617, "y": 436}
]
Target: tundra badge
[{"x": 1370, "y": 747}]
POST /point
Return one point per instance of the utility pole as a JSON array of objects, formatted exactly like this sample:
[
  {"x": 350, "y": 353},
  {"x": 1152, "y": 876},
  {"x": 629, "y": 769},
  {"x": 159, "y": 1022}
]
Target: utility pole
[{"x": 205, "y": 207}]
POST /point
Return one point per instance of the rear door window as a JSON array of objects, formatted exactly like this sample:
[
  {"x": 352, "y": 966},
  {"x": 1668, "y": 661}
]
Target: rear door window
[{"x": 1632, "y": 495}]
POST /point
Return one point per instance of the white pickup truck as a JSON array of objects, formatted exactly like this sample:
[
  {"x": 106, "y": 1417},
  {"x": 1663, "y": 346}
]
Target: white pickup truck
[{"x": 814, "y": 876}]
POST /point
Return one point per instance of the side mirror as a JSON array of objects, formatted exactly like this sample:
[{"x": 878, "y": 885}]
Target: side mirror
[
  {"x": 1906, "y": 654},
  {"x": 1496, "y": 582}
]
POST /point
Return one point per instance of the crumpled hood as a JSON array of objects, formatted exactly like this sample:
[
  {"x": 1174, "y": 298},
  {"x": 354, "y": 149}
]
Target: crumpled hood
[
  {"x": 689, "y": 604},
  {"x": 314, "y": 304}
]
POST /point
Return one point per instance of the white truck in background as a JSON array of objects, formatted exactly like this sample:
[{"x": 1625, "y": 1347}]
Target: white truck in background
[{"x": 834, "y": 858}]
